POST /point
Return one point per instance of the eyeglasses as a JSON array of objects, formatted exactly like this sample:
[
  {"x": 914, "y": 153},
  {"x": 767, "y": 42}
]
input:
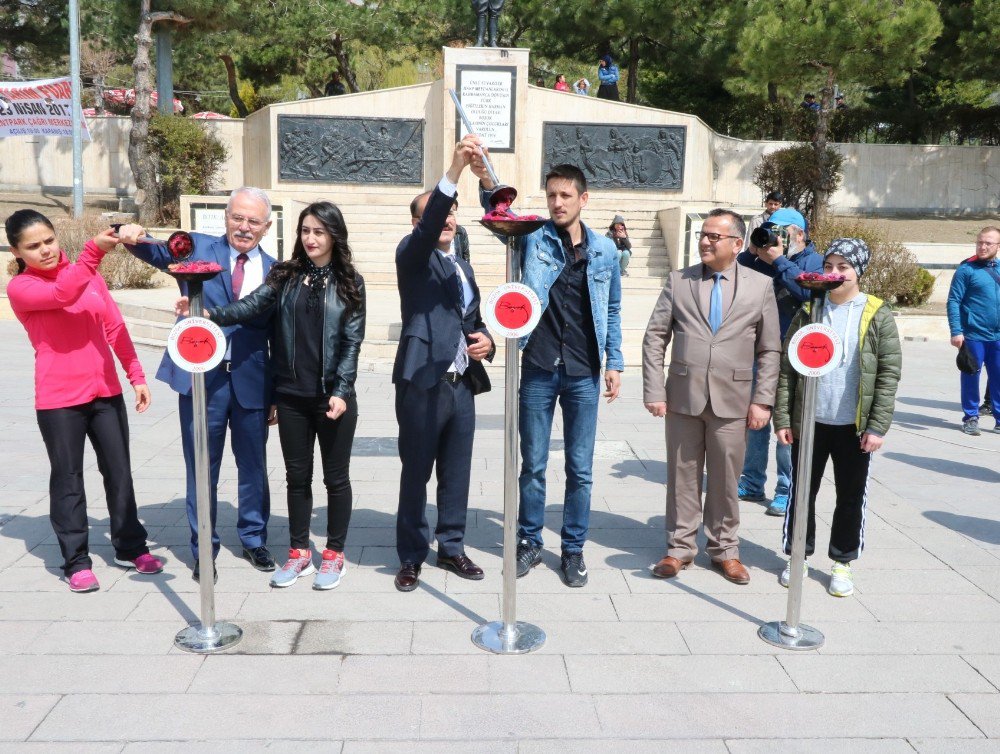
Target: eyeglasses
[
  {"x": 713, "y": 237},
  {"x": 253, "y": 222},
  {"x": 987, "y": 244}
]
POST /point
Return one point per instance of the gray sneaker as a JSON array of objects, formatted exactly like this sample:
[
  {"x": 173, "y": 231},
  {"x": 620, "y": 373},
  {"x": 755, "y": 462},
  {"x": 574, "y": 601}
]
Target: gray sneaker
[
  {"x": 331, "y": 570},
  {"x": 971, "y": 427},
  {"x": 299, "y": 563}
]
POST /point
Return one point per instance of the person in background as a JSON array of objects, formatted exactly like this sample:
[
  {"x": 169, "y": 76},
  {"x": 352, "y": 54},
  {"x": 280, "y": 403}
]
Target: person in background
[
  {"x": 582, "y": 86},
  {"x": 561, "y": 85},
  {"x": 334, "y": 86},
  {"x": 619, "y": 234},
  {"x": 607, "y": 72},
  {"x": 974, "y": 320},
  {"x": 74, "y": 326},
  {"x": 783, "y": 264},
  {"x": 809, "y": 102},
  {"x": 774, "y": 201},
  {"x": 540, "y": 82}
]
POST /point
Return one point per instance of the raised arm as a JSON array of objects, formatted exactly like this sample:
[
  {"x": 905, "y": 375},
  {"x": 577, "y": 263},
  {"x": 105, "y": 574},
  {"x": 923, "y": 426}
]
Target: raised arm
[{"x": 28, "y": 293}]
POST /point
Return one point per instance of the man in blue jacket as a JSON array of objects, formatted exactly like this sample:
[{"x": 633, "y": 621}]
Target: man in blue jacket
[
  {"x": 238, "y": 391},
  {"x": 974, "y": 320},
  {"x": 576, "y": 275},
  {"x": 782, "y": 264}
]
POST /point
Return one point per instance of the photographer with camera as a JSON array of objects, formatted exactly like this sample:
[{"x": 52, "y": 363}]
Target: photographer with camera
[{"x": 779, "y": 249}]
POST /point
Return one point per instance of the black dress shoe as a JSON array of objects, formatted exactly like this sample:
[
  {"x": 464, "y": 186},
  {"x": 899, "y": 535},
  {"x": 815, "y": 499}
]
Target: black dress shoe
[
  {"x": 408, "y": 577},
  {"x": 259, "y": 558},
  {"x": 461, "y": 566},
  {"x": 196, "y": 574}
]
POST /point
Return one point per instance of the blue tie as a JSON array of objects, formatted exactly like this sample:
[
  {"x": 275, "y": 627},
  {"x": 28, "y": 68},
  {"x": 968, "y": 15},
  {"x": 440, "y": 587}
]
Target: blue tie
[{"x": 715, "y": 304}]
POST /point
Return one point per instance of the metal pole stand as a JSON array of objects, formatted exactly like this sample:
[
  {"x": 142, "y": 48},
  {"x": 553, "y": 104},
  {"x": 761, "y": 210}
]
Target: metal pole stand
[
  {"x": 208, "y": 636},
  {"x": 790, "y": 633},
  {"x": 510, "y": 636}
]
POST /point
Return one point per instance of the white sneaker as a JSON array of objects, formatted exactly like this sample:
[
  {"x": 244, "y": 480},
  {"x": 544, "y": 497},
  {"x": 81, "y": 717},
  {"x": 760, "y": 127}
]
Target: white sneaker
[
  {"x": 841, "y": 580},
  {"x": 299, "y": 563},
  {"x": 786, "y": 575}
]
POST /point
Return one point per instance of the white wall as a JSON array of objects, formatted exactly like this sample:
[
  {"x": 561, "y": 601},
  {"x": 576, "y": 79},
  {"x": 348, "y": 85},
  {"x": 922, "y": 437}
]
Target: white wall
[{"x": 40, "y": 163}]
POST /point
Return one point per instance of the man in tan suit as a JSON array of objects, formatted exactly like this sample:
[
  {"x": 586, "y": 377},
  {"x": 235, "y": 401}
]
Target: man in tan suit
[{"x": 721, "y": 316}]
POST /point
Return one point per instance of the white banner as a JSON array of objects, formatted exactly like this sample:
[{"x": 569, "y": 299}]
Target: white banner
[{"x": 37, "y": 108}]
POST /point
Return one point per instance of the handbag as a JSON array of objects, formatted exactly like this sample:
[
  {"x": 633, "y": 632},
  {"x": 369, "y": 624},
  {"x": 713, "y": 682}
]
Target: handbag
[{"x": 965, "y": 361}]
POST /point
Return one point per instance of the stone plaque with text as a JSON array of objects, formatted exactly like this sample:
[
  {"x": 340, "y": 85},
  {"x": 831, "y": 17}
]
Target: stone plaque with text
[
  {"x": 618, "y": 156},
  {"x": 350, "y": 150},
  {"x": 488, "y": 95}
]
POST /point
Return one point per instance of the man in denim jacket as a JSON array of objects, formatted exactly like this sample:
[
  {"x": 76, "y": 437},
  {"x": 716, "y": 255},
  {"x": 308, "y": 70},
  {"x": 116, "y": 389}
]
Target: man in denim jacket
[{"x": 575, "y": 273}]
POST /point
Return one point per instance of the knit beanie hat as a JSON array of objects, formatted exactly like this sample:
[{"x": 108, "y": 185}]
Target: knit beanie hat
[{"x": 854, "y": 250}]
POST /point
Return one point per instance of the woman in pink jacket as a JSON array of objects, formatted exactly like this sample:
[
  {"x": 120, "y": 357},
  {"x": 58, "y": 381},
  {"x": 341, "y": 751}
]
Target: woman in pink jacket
[{"x": 74, "y": 325}]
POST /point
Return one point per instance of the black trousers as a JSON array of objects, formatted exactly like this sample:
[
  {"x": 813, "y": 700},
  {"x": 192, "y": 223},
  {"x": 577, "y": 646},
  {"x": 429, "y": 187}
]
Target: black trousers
[
  {"x": 300, "y": 422},
  {"x": 850, "y": 476},
  {"x": 436, "y": 429},
  {"x": 105, "y": 422}
]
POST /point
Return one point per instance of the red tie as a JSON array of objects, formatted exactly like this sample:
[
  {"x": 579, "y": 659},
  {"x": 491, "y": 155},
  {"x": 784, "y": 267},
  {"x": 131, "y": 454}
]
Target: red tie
[{"x": 241, "y": 260}]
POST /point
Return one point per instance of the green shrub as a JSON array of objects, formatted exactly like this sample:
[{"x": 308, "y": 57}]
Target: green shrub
[
  {"x": 795, "y": 173},
  {"x": 893, "y": 270},
  {"x": 188, "y": 159},
  {"x": 921, "y": 290}
]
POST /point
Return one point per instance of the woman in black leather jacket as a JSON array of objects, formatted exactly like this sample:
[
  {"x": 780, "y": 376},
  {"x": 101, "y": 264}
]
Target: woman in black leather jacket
[{"x": 320, "y": 323}]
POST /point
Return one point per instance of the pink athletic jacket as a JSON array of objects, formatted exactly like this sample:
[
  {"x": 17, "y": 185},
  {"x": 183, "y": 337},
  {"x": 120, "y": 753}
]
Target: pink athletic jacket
[{"x": 71, "y": 320}]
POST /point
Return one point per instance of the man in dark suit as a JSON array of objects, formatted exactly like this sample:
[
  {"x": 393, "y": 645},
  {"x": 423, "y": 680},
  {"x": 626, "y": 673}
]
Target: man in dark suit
[
  {"x": 437, "y": 373},
  {"x": 238, "y": 391}
]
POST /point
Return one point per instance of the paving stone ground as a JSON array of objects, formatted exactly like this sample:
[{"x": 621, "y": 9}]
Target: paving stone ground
[{"x": 631, "y": 664}]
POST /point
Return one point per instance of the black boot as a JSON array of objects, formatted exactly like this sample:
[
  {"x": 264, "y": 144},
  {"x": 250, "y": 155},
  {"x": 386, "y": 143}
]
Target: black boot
[
  {"x": 480, "y": 30},
  {"x": 493, "y": 30}
]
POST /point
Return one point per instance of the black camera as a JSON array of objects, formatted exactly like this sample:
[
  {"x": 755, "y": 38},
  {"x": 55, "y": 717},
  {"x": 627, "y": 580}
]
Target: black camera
[{"x": 767, "y": 235}]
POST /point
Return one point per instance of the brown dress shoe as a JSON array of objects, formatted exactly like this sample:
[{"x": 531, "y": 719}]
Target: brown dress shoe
[
  {"x": 408, "y": 577},
  {"x": 669, "y": 567},
  {"x": 461, "y": 566},
  {"x": 732, "y": 570}
]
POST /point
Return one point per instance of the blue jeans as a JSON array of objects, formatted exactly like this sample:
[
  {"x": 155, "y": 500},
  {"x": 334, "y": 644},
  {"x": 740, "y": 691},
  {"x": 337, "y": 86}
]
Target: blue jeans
[
  {"x": 987, "y": 354},
  {"x": 754, "y": 476},
  {"x": 578, "y": 397}
]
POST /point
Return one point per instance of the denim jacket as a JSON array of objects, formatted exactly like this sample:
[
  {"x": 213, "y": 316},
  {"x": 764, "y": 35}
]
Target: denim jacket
[{"x": 542, "y": 260}]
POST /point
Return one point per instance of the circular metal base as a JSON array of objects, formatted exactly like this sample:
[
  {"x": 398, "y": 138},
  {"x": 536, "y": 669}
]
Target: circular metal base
[
  {"x": 780, "y": 634},
  {"x": 206, "y": 640},
  {"x": 520, "y": 639}
]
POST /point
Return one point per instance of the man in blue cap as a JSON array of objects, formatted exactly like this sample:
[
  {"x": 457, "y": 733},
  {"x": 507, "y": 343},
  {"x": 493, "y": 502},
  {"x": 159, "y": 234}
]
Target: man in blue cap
[{"x": 782, "y": 262}]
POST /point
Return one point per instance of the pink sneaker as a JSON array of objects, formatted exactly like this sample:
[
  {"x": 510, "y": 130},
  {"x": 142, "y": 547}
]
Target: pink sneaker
[
  {"x": 83, "y": 581},
  {"x": 145, "y": 563}
]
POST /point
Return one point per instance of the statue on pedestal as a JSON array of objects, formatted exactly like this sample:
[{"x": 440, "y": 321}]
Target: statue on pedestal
[{"x": 484, "y": 8}]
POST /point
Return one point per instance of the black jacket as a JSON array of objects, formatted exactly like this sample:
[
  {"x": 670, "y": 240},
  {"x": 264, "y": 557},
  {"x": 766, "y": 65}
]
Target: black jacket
[
  {"x": 342, "y": 335},
  {"x": 434, "y": 324}
]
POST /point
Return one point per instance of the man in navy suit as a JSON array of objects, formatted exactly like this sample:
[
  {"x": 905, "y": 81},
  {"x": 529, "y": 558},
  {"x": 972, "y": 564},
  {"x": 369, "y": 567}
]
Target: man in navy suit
[
  {"x": 239, "y": 389},
  {"x": 437, "y": 373}
]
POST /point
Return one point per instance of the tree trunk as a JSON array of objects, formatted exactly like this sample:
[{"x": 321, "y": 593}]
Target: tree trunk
[
  {"x": 777, "y": 124},
  {"x": 234, "y": 91},
  {"x": 633, "y": 70},
  {"x": 343, "y": 62},
  {"x": 139, "y": 158},
  {"x": 821, "y": 198}
]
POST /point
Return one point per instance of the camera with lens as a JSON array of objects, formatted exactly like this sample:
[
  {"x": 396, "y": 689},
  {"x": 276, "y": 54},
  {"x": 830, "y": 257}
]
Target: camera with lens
[{"x": 768, "y": 234}]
